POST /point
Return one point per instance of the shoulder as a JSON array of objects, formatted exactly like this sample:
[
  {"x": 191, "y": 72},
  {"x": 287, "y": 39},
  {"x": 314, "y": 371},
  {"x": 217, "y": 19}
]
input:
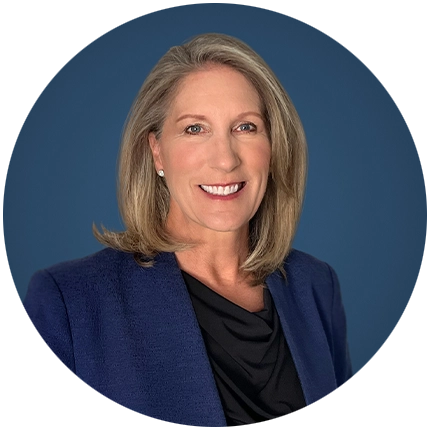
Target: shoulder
[
  {"x": 102, "y": 262},
  {"x": 103, "y": 266},
  {"x": 83, "y": 276},
  {"x": 99, "y": 280},
  {"x": 301, "y": 265},
  {"x": 310, "y": 277}
]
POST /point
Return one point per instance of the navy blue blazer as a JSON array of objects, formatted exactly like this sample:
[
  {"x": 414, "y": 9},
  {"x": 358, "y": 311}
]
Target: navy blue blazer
[{"x": 132, "y": 334}]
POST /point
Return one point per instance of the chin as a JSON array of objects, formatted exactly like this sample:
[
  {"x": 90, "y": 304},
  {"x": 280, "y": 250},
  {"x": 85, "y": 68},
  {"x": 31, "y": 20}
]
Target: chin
[{"x": 226, "y": 225}]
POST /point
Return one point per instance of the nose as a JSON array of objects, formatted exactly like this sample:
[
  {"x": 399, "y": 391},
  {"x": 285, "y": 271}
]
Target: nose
[{"x": 223, "y": 153}]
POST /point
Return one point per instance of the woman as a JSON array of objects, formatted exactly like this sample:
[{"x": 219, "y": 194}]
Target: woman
[{"x": 200, "y": 313}]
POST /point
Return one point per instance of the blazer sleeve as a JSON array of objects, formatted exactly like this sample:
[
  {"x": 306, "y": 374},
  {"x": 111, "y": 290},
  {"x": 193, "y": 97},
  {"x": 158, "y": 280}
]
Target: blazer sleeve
[
  {"x": 46, "y": 308},
  {"x": 340, "y": 349}
]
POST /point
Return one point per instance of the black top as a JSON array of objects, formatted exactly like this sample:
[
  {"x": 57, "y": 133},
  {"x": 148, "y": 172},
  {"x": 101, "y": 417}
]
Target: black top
[{"x": 252, "y": 365}]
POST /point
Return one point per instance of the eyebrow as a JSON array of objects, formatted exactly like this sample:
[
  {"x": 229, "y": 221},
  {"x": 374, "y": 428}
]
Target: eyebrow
[{"x": 203, "y": 118}]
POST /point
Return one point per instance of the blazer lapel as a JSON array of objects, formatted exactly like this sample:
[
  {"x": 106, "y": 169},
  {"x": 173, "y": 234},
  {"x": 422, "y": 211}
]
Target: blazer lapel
[
  {"x": 189, "y": 380},
  {"x": 304, "y": 333}
]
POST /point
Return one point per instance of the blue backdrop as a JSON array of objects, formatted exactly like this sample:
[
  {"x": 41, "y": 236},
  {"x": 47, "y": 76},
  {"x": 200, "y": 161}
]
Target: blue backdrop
[{"x": 365, "y": 207}]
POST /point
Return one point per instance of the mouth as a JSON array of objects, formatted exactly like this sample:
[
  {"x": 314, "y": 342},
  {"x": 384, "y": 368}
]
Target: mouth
[{"x": 219, "y": 190}]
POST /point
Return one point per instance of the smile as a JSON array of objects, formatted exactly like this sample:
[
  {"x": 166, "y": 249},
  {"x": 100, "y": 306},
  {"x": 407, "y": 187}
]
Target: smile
[{"x": 222, "y": 191}]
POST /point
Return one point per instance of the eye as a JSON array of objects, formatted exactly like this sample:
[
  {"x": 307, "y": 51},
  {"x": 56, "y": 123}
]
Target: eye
[
  {"x": 194, "y": 129},
  {"x": 247, "y": 127}
]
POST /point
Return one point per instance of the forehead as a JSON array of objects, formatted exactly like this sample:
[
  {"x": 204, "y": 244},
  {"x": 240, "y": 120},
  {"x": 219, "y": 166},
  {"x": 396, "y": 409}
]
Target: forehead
[{"x": 216, "y": 86}]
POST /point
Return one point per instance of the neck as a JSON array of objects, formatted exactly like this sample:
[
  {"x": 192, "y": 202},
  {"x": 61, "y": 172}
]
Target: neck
[{"x": 216, "y": 256}]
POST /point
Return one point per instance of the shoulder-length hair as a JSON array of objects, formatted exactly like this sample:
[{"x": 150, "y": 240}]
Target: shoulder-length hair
[{"x": 143, "y": 196}]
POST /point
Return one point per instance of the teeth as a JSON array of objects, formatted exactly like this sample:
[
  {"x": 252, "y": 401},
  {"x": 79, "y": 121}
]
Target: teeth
[{"x": 220, "y": 191}]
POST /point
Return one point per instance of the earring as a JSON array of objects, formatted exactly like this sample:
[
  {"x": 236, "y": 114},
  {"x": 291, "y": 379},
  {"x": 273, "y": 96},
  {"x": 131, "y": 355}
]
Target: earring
[{"x": 161, "y": 173}]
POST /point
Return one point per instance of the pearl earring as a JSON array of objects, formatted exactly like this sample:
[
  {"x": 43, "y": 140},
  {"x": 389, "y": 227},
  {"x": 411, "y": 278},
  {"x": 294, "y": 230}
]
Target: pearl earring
[{"x": 161, "y": 173}]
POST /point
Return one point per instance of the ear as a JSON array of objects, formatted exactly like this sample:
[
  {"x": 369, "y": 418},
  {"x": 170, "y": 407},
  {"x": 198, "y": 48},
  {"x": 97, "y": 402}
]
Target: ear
[{"x": 155, "y": 149}]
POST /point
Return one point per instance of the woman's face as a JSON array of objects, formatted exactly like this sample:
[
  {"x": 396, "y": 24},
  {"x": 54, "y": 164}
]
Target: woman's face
[{"x": 215, "y": 152}]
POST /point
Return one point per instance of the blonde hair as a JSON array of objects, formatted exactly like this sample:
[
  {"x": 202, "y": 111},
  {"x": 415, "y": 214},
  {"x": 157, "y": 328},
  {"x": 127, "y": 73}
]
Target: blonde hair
[{"x": 144, "y": 197}]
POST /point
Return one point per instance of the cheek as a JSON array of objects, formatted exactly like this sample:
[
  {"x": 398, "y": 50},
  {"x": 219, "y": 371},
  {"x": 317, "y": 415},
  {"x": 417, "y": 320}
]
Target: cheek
[
  {"x": 181, "y": 163},
  {"x": 261, "y": 158},
  {"x": 178, "y": 157}
]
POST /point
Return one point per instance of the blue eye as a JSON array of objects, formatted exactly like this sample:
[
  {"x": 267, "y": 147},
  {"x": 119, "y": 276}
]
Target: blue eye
[
  {"x": 247, "y": 127},
  {"x": 193, "y": 129}
]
